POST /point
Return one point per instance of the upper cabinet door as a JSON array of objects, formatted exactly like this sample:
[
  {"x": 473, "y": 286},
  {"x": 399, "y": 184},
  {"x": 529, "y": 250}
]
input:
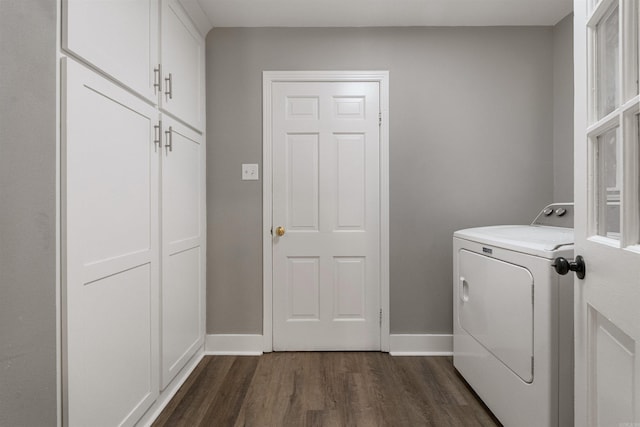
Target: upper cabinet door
[
  {"x": 182, "y": 56},
  {"x": 120, "y": 37}
]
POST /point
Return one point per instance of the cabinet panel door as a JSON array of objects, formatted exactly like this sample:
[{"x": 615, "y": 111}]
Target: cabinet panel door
[
  {"x": 182, "y": 66},
  {"x": 183, "y": 252},
  {"x": 111, "y": 255},
  {"x": 120, "y": 37}
]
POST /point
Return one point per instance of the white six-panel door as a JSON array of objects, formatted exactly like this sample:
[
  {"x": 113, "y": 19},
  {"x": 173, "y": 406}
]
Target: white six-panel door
[
  {"x": 110, "y": 220},
  {"x": 607, "y": 222},
  {"x": 326, "y": 197},
  {"x": 183, "y": 234}
]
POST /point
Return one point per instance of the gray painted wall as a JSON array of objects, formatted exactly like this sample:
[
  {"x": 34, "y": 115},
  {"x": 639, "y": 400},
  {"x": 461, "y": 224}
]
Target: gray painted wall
[
  {"x": 471, "y": 143},
  {"x": 28, "y": 213},
  {"x": 563, "y": 110}
]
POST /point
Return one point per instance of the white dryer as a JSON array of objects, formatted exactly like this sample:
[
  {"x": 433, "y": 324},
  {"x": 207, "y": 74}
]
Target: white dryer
[{"x": 513, "y": 318}]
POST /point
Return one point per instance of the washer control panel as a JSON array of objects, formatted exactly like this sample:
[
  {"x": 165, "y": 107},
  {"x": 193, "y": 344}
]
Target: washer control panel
[{"x": 556, "y": 215}]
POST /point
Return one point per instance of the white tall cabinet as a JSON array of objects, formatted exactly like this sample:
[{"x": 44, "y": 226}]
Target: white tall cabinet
[
  {"x": 133, "y": 206},
  {"x": 183, "y": 244},
  {"x": 110, "y": 221}
]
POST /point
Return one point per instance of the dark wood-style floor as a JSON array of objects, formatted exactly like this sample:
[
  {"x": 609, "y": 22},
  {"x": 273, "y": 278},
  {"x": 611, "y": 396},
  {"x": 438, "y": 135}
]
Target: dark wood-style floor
[{"x": 325, "y": 389}]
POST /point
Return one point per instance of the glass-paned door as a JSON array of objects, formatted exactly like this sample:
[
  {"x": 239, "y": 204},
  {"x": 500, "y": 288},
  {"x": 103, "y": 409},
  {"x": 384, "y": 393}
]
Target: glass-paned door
[
  {"x": 612, "y": 102},
  {"x": 607, "y": 214}
]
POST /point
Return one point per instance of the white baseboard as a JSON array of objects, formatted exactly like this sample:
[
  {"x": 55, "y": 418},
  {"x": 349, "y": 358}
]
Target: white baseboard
[
  {"x": 167, "y": 394},
  {"x": 400, "y": 344},
  {"x": 421, "y": 345},
  {"x": 233, "y": 344}
]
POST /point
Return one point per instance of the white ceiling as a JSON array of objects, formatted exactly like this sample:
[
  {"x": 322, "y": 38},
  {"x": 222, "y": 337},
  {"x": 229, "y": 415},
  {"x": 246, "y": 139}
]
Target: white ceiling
[{"x": 375, "y": 13}]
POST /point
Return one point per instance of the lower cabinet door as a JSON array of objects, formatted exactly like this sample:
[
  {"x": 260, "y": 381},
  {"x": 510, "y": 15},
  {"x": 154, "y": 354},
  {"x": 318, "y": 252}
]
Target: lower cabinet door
[
  {"x": 110, "y": 229},
  {"x": 183, "y": 246}
]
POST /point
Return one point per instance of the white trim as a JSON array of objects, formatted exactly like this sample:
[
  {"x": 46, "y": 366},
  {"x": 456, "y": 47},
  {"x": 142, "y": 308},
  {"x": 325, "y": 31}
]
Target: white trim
[
  {"x": 384, "y": 213},
  {"x": 58, "y": 221},
  {"x": 268, "y": 78},
  {"x": 167, "y": 394},
  {"x": 198, "y": 17},
  {"x": 233, "y": 344},
  {"x": 582, "y": 217},
  {"x": 421, "y": 345}
]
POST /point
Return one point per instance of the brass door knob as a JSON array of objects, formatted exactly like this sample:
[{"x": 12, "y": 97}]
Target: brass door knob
[{"x": 280, "y": 231}]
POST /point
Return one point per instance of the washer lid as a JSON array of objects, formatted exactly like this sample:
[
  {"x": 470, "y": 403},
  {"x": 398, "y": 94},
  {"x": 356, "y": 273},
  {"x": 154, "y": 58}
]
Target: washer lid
[{"x": 536, "y": 240}]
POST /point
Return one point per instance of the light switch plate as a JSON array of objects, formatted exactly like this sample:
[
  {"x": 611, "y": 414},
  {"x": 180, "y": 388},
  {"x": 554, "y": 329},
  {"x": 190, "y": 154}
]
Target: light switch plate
[{"x": 249, "y": 171}]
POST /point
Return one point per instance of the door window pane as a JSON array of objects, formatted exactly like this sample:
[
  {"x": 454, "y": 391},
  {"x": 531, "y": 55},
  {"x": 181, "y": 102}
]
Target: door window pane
[
  {"x": 607, "y": 54},
  {"x": 608, "y": 184},
  {"x": 635, "y": 45},
  {"x": 630, "y": 51}
]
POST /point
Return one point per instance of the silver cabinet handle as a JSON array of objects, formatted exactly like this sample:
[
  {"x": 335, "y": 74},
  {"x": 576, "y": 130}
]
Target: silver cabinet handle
[
  {"x": 157, "y": 79},
  {"x": 157, "y": 135},
  {"x": 168, "y": 140},
  {"x": 168, "y": 85}
]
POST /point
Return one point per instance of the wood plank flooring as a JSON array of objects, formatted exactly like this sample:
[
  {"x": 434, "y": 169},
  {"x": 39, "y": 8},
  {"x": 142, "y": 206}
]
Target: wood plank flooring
[{"x": 325, "y": 389}]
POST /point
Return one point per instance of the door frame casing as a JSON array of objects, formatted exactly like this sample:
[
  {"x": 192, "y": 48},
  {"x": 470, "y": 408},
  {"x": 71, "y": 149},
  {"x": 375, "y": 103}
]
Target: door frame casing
[
  {"x": 268, "y": 78},
  {"x": 580, "y": 196}
]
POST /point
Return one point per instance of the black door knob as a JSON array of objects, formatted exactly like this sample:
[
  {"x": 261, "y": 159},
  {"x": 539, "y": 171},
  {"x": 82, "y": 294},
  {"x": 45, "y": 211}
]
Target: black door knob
[{"x": 563, "y": 266}]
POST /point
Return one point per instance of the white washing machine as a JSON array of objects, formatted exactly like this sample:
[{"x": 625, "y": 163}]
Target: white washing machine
[{"x": 513, "y": 318}]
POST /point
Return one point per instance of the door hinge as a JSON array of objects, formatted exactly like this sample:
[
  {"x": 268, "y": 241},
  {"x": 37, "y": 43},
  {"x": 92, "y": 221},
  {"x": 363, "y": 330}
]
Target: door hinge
[
  {"x": 381, "y": 317},
  {"x": 380, "y": 119}
]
